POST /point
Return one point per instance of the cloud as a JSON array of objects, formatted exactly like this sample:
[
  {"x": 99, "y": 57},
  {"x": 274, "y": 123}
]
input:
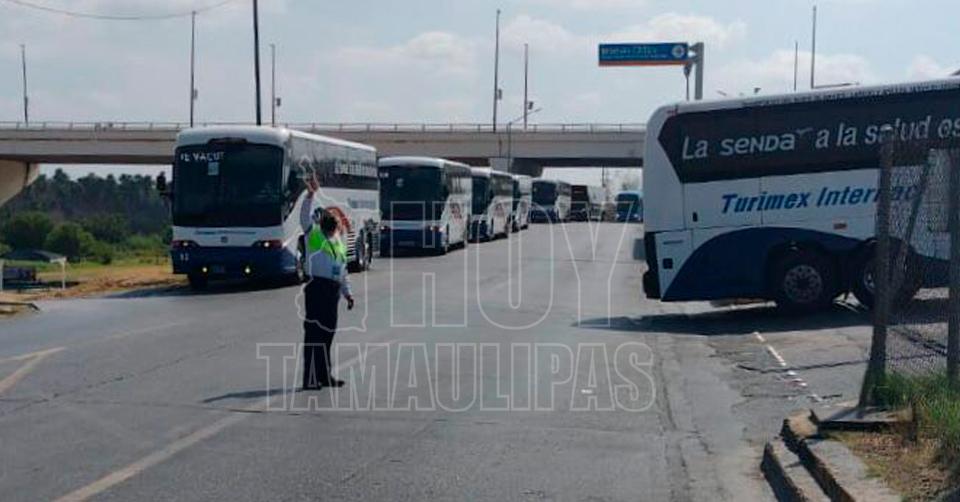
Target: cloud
[
  {"x": 924, "y": 67},
  {"x": 774, "y": 72},
  {"x": 680, "y": 27},
  {"x": 436, "y": 53},
  {"x": 594, "y": 5}
]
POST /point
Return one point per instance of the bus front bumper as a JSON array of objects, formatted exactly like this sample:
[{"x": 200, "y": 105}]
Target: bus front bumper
[
  {"x": 231, "y": 262},
  {"x": 543, "y": 215},
  {"x": 651, "y": 278},
  {"x": 430, "y": 237}
]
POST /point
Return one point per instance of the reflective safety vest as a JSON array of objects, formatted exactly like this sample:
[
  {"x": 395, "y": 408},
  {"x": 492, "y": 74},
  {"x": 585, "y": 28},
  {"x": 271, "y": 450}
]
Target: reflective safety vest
[{"x": 317, "y": 242}]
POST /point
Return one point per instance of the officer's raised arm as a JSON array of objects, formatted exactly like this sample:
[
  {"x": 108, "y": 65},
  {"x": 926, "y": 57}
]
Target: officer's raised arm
[{"x": 306, "y": 209}]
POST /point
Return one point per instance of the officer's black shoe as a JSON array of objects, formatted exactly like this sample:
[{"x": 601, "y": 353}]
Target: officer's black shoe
[
  {"x": 311, "y": 387},
  {"x": 332, "y": 382}
]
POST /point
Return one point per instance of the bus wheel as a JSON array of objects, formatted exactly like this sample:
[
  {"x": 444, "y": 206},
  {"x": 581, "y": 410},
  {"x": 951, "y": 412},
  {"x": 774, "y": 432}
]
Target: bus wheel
[
  {"x": 864, "y": 283},
  {"x": 198, "y": 282},
  {"x": 804, "y": 281},
  {"x": 300, "y": 273},
  {"x": 360, "y": 263}
]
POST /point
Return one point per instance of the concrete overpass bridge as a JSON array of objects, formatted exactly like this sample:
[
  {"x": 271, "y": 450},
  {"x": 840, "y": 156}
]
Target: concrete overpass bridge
[{"x": 528, "y": 151}]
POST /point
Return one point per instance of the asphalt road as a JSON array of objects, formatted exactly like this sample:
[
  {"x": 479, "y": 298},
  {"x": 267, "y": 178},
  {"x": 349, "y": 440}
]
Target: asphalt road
[{"x": 522, "y": 369}]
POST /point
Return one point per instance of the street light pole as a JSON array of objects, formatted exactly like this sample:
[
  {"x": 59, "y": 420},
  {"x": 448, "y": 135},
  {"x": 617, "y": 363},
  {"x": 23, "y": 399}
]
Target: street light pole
[
  {"x": 256, "y": 58},
  {"x": 526, "y": 83},
  {"x": 193, "y": 57},
  {"x": 496, "y": 72},
  {"x": 510, "y": 136},
  {"x": 813, "y": 51},
  {"x": 26, "y": 99},
  {"x": 273, "y": 85}
]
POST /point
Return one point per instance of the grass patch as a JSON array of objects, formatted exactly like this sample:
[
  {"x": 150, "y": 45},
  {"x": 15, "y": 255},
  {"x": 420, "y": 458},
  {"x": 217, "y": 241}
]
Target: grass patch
[
  {"x": 935, "y": 402},
  {"x": 923, "y": 460}
]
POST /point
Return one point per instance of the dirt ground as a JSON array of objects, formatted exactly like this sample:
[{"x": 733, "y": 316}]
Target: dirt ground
[
  {"x": 910, "y": 468},
  {"x": 101, "y": 280}
]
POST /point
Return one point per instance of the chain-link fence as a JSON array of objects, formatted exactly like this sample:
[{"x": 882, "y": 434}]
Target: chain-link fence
[{"x": 911, "y": 268}]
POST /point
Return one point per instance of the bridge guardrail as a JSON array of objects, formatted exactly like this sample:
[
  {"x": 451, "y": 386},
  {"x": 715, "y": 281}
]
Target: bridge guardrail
[{"x": 331, "y": 127}]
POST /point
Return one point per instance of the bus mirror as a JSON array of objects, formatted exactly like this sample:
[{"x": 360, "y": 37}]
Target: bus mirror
[{"x": 162, "y": 184}]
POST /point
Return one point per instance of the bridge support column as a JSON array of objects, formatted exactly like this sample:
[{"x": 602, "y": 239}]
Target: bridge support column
[{"x": 14, "y": 177}]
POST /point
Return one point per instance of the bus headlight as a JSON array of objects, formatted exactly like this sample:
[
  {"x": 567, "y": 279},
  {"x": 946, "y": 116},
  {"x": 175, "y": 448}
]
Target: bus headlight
[
  {"x": 269, "y": 244},
  {"x": 181, "y": 244}
]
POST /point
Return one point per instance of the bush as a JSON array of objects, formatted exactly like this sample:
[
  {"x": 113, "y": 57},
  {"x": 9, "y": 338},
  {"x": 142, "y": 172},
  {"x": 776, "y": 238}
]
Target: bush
[
  {"x": 4, "y": 249},
  {"x": 101, "y": 252},
  {"x": 28, "y": 230},
  {"x": 72, "y": 241},
  {"x": 146, "y": 244},
  {"x": 112, "y": 228}
]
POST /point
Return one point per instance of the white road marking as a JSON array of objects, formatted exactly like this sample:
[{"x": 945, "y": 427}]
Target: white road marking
[
  {"x": 33, "y": 359},
  {"x": 123, "y": 474},
  {"x": 793, "y": 376}
]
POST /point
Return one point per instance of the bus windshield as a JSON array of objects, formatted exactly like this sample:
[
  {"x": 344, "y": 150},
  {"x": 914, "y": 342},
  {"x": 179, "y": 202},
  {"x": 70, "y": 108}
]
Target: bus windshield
[
  {"x": 481, "y": 194},
  {"x": 544, "y": 193},
  {"x": 412, "y": 193},
  {"x": 627, "y": 202},
  {"x": 236, "y": 185}
]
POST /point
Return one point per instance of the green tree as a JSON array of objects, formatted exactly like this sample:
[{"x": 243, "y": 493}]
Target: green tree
[
  {"x": 28, "y": 230},
  {"x": 112, "y": 228},
  {"x": 72, "y": 241}
]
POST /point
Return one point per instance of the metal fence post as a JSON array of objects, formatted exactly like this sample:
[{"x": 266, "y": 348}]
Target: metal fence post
[
  {"x": 876, "y": 366},
  {"x": 953, "y": 307}
]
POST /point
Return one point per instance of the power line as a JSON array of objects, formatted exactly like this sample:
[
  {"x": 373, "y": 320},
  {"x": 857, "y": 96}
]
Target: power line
[{"x": 116, "y": 17}]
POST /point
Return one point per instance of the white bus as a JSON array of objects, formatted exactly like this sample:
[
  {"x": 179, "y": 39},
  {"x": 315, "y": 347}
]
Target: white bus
[
  {"x": 237, "y": 194},
  {"x": 424, "y": 203},
  {"x": 586, "y": 202},
  {"x": 492, "y": 204},
  {"x": 522, "y": 186},
  {"x": 551, "y": 201},
  {"x": 775, "y": 197}
]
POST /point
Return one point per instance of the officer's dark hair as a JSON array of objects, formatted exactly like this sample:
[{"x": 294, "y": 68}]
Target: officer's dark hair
[{"x": 328, "y": 222}]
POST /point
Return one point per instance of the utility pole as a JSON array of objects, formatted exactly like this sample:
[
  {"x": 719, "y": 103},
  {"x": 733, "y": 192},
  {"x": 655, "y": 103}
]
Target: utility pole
[
  {"x": 526, "y": 82},
  {"x": 256, "y": 58},
  {"x": 26, "y": 99},
  {"x": 496, "y": 72},
  {"x": 813, "y": 51},
  {"x": 273, "y": 85},
  {"x": 796, "y": 63},
  {"x": 193, "y": 56},
  {"x": 698, "y": 59}
]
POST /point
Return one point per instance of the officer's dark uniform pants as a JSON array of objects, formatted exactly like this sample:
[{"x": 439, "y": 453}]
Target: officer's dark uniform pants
[{"x": 321, "y": 300}]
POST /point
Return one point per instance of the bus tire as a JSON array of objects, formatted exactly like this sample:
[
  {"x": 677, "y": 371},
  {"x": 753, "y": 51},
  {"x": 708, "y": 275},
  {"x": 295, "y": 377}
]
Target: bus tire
[
  {"x": 198, "y": 282},
  {"x": 361, "y": 252},
  {"x": 862, "y": 284},
  {"x": 300, "y": 273},
  {"x": 804, "y": 281}
]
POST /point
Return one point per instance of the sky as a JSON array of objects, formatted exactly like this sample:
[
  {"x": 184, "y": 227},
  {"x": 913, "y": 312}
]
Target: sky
[{"x": 432, "y": 60}]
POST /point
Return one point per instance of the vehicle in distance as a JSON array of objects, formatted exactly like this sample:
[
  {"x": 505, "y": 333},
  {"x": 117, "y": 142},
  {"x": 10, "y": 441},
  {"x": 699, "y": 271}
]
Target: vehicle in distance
[
  {"x": 586, "y": 202},
  {"x": 630, "y": 206},
  {"x": 237, "y": 194},
  {"x": 522, "y": 199},
  {"x": 424, "y": 204},
  {"x": 774, "y": 197},
  {"x": 551, "y": 201},
  {"x": 492, "y": 206}
]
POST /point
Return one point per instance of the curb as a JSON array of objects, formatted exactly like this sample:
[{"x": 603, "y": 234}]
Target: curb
[
  {"x": 27, "y": 305},
  {"x": 803, "y": 466},
  {"x": 787, "y": 475}
]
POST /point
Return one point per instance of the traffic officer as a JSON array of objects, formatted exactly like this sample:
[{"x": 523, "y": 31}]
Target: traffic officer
[{"x": 326, "y": 266}]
